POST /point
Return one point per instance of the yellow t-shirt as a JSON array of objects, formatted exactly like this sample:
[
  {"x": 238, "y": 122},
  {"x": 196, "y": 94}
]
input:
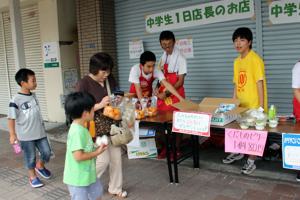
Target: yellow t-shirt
[{"x": 246, "y": 73}]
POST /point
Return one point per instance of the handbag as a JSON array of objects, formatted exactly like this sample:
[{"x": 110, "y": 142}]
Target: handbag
[{"x": 120, "y": 135}]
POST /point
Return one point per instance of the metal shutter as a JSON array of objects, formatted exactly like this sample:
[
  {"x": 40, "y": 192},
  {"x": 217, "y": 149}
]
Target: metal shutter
[
  {"x": 210, "y": 72},
  {"x": 14, "y": 88},
  {"x": 33, "y": 51},
  {"x": 281, "y": 51},
  {"x": 4, "y": 86},
  {"x": 33, "y": 54}
]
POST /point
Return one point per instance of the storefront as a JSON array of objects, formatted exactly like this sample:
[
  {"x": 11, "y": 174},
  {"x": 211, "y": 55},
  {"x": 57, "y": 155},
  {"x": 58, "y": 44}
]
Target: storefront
[{"x": 210, "y": 69}]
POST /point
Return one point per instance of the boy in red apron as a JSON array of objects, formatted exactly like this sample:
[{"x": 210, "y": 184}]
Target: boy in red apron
[
  {"x": 296, "y": 100},
  {"x": 142, "y": 76},
  {"x": 173, "y": 64}
]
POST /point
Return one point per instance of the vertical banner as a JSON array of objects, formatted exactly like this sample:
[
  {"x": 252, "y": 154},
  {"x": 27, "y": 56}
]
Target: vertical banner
[
  {"x": 245, "y": 141},
  {"x": 192, "y": 123},
  {"x": 136, "y": 48},
  {"x": 291, "y": 151}
]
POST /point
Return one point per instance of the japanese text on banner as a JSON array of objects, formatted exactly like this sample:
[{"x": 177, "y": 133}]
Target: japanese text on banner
[
  {"x": 281, "y": 12},
  {"x": 200, "y": 14}
]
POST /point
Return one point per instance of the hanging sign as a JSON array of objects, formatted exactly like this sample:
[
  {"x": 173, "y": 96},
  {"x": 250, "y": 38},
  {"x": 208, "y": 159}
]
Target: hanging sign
[
  {"x": 207, "y": 13},
  {"x": 281, "y": 12}
]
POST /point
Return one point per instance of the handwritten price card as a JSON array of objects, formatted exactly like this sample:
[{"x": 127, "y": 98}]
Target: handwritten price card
[
  {"x": 245, "y": 141},
  {"x": 192, "y": 123}
]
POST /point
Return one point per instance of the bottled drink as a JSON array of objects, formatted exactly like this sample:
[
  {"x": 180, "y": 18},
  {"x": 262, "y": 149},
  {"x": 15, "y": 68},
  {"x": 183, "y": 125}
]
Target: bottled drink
[
  {"x": 272, "y": 112},
  {"x": 17, "y": 147}
]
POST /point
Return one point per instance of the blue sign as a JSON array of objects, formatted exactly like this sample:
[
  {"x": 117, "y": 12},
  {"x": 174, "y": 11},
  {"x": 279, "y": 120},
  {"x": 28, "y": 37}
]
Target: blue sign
[{"x": 291, "y": 151}]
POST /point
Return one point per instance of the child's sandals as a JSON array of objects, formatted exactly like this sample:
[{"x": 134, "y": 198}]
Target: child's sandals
[{"x": 121, "y": 195}]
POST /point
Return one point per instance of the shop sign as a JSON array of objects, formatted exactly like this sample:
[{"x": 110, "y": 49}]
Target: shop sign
[
  {"x": 200, "y": 14},
  {"x": 281, "y": 12},
  {"x": 250, "y": 142},
  {"x": 291, "y": 151},
  {"x": 193, "y": 123}
]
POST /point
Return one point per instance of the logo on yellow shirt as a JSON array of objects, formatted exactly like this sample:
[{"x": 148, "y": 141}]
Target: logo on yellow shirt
[{"x": 242, "y": 80}]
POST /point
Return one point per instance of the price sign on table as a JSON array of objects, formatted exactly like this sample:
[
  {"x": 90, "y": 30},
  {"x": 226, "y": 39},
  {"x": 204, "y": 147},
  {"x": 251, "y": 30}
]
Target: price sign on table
[
  {"x": 250, "y": 142},
  {"x": 192, "y": 123}
]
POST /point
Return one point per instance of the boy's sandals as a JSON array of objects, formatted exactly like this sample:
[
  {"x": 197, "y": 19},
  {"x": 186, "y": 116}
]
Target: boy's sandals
[{"x": 121, "y": 195}]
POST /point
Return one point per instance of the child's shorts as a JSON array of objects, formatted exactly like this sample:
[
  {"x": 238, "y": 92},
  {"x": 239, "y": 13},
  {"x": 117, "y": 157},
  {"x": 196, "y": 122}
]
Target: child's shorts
[
  {"x": 92, "y": 192},
  {"x": 29, "y": 151}
]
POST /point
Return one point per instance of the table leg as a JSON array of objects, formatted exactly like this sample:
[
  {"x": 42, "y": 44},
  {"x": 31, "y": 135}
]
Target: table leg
[
  {"x": 196, "y": 151},
  {"x": 175, "y": 156},
  {"x": 168, "y": 146}
]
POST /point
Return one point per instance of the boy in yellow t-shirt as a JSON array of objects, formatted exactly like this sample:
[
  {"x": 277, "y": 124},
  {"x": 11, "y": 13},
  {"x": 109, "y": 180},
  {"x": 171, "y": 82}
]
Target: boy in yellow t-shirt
[{"x": 249, "y": 84}]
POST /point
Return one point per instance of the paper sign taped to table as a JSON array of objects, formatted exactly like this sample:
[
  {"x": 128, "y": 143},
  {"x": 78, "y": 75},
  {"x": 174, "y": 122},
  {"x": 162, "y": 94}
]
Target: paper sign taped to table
[
  {"x": 250, "y": 142},
  {"x": 193, "y": 123},
  {"x": 291, "y": 151}
]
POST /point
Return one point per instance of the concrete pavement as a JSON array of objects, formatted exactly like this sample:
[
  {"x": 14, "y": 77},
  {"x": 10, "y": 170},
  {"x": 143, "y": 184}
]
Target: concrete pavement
[{"x": 146, "y": 179}]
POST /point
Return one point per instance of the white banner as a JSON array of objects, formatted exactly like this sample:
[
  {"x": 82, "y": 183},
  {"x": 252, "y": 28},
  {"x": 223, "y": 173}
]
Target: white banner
[
  {"x": 200, "y": 14},
  {"x": 185, "y": 47},
  {"x": 281, "y": 12}
]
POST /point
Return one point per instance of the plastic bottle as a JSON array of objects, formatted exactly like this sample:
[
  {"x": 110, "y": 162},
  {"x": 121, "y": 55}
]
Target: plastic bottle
[
  {"x": 272, "y": 112},
  {"x": 17, "y": 147}
]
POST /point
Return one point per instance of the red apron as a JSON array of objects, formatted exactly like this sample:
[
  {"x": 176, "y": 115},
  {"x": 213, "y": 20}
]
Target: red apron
[
  {"x": 296, "y": 105},
  {"x": 146, "y": 85},
  {"x": 165, "y": 104}
]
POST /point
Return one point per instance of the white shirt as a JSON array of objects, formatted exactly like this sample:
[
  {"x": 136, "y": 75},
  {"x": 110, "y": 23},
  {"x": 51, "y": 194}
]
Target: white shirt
[
  {"x": 296, "y": 76},
  {"x": 135, "y": 72},
  {"x": 176, "y": 61}
]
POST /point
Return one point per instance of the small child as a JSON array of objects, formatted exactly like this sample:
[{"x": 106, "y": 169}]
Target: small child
[
  {"x": 26, "y": 126},
  {"x": 80, "y": 163}
]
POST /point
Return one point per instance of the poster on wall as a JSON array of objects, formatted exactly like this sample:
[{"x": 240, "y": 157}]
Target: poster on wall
[
  {"x": 51, "y": 54},
  {"x": 136, "y": 48},
  {"x": 70, "y": 80},
  {"x": 282, "y": 12},
  {"x": 185, "y": 47},
  {"x": 200, "y": 14},
  {"x": 291, "y": 151}
]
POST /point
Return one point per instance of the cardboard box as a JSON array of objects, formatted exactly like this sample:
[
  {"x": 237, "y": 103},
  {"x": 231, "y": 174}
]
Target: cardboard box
[
  {"x": 147, "y": 149},
  {"x": 209, "y": 105}
]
